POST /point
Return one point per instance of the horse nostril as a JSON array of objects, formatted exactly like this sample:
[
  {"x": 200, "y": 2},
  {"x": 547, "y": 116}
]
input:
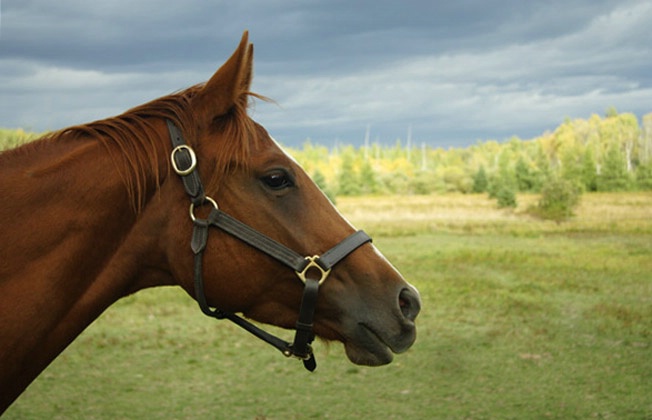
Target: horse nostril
[{"x": 410, "y": 303}]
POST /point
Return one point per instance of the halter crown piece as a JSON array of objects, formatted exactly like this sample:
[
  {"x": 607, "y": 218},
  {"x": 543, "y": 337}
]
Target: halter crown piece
[{"x": 184, "y": 163}]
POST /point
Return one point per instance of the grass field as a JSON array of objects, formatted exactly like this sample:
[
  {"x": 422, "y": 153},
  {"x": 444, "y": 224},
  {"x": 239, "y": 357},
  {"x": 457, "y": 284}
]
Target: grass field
[{"x": 521, "y": 319}]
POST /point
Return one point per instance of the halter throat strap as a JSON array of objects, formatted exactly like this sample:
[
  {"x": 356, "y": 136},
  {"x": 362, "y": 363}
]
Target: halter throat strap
[{"x": 311, "y": 270}]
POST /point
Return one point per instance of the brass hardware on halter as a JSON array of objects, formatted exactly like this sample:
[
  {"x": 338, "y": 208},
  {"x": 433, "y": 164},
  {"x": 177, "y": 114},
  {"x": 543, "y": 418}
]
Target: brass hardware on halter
[
  {"x": 313, "y": 264},
  {"x": 307, "y": 356},
  {"x": 210, "y": 200},
  {"x": 193, "y": 160}
]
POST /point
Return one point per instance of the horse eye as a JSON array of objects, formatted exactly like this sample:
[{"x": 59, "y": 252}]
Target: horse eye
[{"x": 278, "y": 180}]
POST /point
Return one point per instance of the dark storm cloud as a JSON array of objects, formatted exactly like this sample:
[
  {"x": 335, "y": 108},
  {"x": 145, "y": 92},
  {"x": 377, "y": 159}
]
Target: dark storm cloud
[{"x": 453, "y": 71}]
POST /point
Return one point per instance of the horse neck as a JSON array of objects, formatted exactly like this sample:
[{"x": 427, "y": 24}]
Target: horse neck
[{"x": 70, "y": 248}]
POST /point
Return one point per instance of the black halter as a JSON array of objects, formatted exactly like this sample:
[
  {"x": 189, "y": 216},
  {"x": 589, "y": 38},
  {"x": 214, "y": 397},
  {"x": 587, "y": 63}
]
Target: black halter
[{"x": 184, "y": 163}]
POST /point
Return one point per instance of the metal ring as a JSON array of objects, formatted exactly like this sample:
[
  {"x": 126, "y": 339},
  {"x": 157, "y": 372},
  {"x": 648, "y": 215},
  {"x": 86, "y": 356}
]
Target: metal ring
[
  {"x": 193, "y": 160},
  {"x": 206, "y": 199},
  {"x": 312, "y": 263}
]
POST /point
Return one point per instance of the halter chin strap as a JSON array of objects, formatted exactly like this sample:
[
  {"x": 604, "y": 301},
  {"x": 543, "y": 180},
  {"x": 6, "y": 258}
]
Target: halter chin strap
[{"x": 312, "y": 270}]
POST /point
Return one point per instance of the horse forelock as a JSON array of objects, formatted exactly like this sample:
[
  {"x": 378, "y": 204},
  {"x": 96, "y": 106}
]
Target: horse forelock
[{"x": 238, "y": 135}]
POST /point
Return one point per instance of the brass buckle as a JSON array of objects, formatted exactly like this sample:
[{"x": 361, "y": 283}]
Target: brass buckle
[
  {"x": 193, "y": 160},
  {"x": 313, "y": 264}
]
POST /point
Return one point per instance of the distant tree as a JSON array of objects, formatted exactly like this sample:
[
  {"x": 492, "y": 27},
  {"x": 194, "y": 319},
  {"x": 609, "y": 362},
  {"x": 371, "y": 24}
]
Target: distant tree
[
  {"x": 611, "y": 112},
  {"x": 589, "y": 175},
  {"x": 644, "y": 176},
  {"x": 526, "y": 179},
  {"x": 368, "y": 181},
  {"x": 349, "y": 183},
  {"x": 614, "y": 175},
  {"x": 619, "y": 135},
  {"x": 645, "y": 147},
  {"x": 572, "y": 161},
  {"x": 503, "y": 188},
  {"x": 494, "y": 186},
  {"x": 542, "y": 166},
  {"x": 480, "y": 181},
  {"x": 319, "y": 179}
]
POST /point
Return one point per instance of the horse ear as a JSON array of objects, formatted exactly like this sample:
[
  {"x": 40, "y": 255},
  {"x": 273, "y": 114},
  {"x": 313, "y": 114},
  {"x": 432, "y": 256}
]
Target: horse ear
[{"x": 229, "y": 86}]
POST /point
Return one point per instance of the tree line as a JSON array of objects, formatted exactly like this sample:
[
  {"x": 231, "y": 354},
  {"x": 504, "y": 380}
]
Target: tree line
[
  {"x": 10, "y": 138},
  {"x": 609, "y": 153}
]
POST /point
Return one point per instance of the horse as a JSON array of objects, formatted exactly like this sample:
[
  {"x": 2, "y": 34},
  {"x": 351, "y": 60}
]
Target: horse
[{"x": 187, "y": 183}]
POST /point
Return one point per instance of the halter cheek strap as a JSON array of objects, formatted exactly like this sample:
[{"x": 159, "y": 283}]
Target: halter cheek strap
[{"x": 312, "y": 271}]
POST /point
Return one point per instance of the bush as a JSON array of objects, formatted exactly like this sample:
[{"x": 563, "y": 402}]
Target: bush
[
  {"x": 421, "y": 184},
  {"x": 559, "y": 197},
  {"x": 457, "y": 180},
  {"x": 503, "y": 188},
  {"x": 506, "y": 197},
  {"x": 395, "y": 183}
]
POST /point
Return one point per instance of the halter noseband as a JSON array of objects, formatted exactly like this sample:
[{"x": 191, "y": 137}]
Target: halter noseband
[{"x": 184, "y": 163}]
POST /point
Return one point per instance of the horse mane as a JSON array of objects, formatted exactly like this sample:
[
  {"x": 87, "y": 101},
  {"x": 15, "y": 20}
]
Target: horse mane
[{"x": 134, "y": 144}]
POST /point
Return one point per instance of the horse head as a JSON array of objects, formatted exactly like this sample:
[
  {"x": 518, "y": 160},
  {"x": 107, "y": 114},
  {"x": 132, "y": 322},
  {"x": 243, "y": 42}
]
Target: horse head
[{"x": 365, "y": 303}]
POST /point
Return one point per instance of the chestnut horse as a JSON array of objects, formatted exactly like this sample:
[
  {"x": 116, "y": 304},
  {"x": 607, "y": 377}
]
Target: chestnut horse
[{"x": 98, "y": 211}]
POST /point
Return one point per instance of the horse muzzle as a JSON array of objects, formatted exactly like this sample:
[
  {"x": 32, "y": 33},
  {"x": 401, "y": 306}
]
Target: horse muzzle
[{"x": 374, "y": 333}]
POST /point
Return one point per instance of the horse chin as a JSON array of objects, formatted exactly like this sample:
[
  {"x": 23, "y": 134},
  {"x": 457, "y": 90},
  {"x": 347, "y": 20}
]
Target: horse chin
[{"x": 368, "y": 348}]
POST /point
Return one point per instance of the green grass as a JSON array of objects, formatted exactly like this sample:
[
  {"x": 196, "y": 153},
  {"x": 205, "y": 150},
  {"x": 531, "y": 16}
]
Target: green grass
[{"x": 521, "y": 319}]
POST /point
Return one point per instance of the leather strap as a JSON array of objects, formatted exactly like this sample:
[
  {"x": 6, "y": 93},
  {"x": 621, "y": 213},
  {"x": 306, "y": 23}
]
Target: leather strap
[
  {"x": 304, "y": 334},
  {"x": 340, "y": 251},
  {"x": 279, "y": 251},
  {"x": 257, "y": 240},
  {"x": 184, "y": 160}
]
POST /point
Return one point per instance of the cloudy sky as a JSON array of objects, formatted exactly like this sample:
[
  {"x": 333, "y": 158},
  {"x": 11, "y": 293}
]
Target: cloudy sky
[{"x": 454, "y": 71}]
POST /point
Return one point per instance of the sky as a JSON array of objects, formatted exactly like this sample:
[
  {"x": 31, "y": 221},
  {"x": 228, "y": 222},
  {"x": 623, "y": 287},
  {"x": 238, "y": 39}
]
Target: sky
[{"x": 444, "y": 73}]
